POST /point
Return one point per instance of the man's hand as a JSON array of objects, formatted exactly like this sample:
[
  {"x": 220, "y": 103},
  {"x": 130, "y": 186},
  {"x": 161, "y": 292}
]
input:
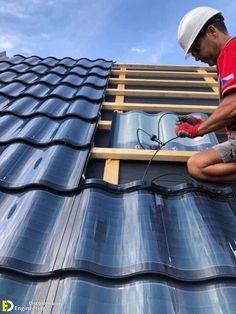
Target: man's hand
[
  {"x": 189, "y": 119},
  {"x": 187, "y": 130}
]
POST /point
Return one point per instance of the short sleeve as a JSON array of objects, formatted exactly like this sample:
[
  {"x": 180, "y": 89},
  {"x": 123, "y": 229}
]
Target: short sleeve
[{"x": 226, "y": 65}]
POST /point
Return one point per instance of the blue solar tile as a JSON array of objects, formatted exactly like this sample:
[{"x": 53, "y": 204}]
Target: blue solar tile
[
  {"x": 58, "y": 70},
  {"x": 92, "y": 63},
  {"x": 4, "y": 66},
  {"x": 16, "y": 59},
  {"x": 90, "y": 93},
  {"x": 26, "y": 296},
  {"x": 73, "y": 79},
  {"x": 43, "y": 130},
  {"x": 32, "y": 60},
  {"x": 20, "y": 67},
  {"x": 57, "y": 167},
  {"x": 27, "y": 78},
  {"x": 12, "y": 89},
  {"x": 139, "y": 232},
  {"x": 64, "y": 91},
  {"x": 32, "y": 225},
  {"x": 125, "y": 126},
  {"x": 143, "y": 296},
  {"x": 40, "y": 69},
  {"x": 7, "y": 76},
  {"x": 51, "y": 79},
  {"x": 49, "y": 61},
  {"x": 37, "y": 90},
  {"x": 53, "y": 107},
  {"x": 67, "y": 62}
]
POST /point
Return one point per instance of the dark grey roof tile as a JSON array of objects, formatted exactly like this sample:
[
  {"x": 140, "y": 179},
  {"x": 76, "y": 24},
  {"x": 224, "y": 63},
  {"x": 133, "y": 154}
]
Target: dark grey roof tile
[
  {"x": 133, "y": 232},
  {"x": 90, "y": 93},
  {"x": 36, "y": 221},
  {"x": 40, "y": 69},
  {"x": 34, "y": 60},
  {"x": 21, "y": 292},
  {"x": 68, "y": 62},
  {"x": 93, "y": 71},
  {"x": 8, "y": 76},
  {"x": 88, "y": 80},
  {"x": 51, "y": 62},
  {"x": 4, "y": 66},
  {"x": 79, "y": 71},
  {"x": 43, "y": 130},
  {"x": 12, "y": 89},
  {"x": 51, "y": 78},
  {"x": 94, "y": 63},
  {"x": 64, "y": 91},
  {"x": 143, "y": 296},
  {"x": 27, "y": 78},
  {"x": 20, "y": 67},
  {"x": 57, "y": 167},
  {"x": 58, "y": 70},
  {"x": 16, "y": 59},
  {"x": 73, "y": 79},
  {"x": 53, "y": 107},
  {"x": 37, "y": 90}
]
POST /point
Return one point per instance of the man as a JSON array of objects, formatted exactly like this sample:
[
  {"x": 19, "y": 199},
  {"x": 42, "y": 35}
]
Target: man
[{"x": 202, "y": 34}]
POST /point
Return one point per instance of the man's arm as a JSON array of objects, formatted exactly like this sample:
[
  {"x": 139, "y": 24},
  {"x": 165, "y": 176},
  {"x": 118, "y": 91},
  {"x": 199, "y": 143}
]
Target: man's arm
[{"x": 223, "y": 116}]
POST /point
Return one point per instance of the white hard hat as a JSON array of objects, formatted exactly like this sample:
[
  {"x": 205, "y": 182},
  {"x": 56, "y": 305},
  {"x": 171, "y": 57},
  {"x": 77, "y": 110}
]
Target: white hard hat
[{"x": 191, "y": 25}]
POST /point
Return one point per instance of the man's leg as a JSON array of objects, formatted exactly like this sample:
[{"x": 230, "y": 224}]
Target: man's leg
[{"x": 208, "y": 165}]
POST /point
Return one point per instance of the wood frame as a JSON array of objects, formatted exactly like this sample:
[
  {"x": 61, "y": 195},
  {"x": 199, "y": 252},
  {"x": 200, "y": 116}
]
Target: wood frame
[{"x": 145, "y": 76}]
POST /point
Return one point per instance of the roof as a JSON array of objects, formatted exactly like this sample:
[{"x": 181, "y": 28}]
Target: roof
[{"x": 79, "y": 229}]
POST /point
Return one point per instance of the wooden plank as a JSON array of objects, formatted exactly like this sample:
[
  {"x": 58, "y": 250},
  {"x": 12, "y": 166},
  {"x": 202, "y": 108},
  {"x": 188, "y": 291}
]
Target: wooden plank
[
  {"x": 162, "y": 73},
  {"x": 121, "y": 86},
  {"x": 209, "y": 80},
  {"x": 111, "y": 171},
  {"x": 161, "y": 93},
  {"x": 104, "y": 125},
  {"x": 158, "y": 107},
  {"x": 163, "y": 66},
  {"x": 136, "y": 154},
  {"x": 150, "y": 82}
]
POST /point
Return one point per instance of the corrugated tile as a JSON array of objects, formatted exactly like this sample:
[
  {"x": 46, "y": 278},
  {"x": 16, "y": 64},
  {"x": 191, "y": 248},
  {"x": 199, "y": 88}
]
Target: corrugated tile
[
  {"x": 51, "y": 78},
  {"x": 53, "y": 107},
  {"x": 43, "y": 130},
  {"x": 32, "y": 225},
  {"x": 56, "y": 167},
  {"x": 12, "y": 89},
  {"x": 143, "y": 296},
  {"x": 95, "y": 71},
  {"x": 125, "y": 126},
  {"x": 23, "y": 293},
  {"x": 91, "y": 93},
  {"x": 7, "y": 76},
  {"x": 125, "y": 234}
]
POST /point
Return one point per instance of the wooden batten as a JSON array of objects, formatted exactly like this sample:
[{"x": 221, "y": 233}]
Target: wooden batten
[
  {"x": 151, "y": 75},
  {"x": 162, "y": 73},
  {"x": 111, "y": 171},
  {"x": 161, "y": 93},
  {"x": 158, "y": 107},
  {"x": 136, "y": 154}
]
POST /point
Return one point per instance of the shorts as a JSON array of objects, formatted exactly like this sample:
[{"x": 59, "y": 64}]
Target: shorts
[{"x": 226, "y": 150}]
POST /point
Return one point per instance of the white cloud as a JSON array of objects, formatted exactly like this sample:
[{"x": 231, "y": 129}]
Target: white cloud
[
  {"x": 139, "y": 50},
  {"x": 14, "y": 44}
]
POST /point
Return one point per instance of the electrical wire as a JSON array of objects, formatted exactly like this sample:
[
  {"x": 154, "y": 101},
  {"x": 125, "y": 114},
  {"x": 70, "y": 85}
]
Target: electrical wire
[
  {"x": 137, "y": 133},
  {"x": 155, "y": 138},
  {"x": 174, "y": 174}
]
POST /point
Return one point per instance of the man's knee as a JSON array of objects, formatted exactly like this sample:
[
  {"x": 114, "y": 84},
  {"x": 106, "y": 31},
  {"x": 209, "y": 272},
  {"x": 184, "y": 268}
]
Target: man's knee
[{"x": 194, "y": 168}]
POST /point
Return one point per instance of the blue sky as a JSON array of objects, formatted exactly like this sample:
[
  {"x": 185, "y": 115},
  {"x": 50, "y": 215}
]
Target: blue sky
[{"x": 129, "y": 31}]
